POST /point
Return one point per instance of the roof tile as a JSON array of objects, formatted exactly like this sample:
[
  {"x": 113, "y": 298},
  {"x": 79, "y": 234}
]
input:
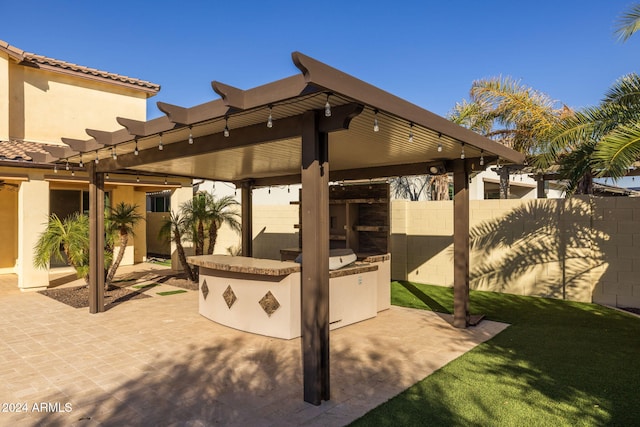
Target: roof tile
[
  {"x": 16, "y": 149},
  {"x": 56, "y": 63}
]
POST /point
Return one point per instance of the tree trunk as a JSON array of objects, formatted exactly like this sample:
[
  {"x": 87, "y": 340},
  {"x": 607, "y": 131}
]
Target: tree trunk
[
  {"x": 183, "y": 258},
  {"x": 124, "y": 238},
  {"x": 213, "y": 236},
  {"x": 504, "y": 182},
  {"x": 200, "y": 239},
  {"x": 65, "y": 248},
  {"x": 585, "y": 185}
]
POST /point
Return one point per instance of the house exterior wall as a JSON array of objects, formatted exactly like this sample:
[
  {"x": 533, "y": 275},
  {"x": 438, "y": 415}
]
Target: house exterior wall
[
  {"x": 4, "y": 96},
  {"x": 45, "y": 106},
  {"x": 33, "y": 210},
  {"x": 9, "y": 229}
]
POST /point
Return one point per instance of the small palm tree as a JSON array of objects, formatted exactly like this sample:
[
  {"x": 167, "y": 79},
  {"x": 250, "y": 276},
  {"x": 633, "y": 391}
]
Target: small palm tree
[
  {"x": 121, "y": 221},
  {"x": 65, "y": 240},
  {"x": 196, "y": 214},
  {"x": 221, "y": 211},
  {"x": 176, "y": 228}
]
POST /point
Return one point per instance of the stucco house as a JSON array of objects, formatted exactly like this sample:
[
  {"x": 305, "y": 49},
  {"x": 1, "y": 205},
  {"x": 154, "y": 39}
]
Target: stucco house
[{"x": 42, "y": 101}]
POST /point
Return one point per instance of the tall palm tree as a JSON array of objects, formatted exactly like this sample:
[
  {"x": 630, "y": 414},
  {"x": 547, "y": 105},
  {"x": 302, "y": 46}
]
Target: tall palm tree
[
  {"x": 69, "y": 237},
  {"x": 121, "y": 220},
  {"x": 628, "y": 23},
  {"x": 175, "y": 228},
  {"x": 511, "y": 113},
  {"x": 221, "y": 211}
]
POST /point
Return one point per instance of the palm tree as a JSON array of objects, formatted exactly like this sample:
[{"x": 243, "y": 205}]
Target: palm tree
[
  {"x": 511, "y": 113},
  {"x": 175, "y": 228},
  {"x": 221, "y": 211},
  {"x": 196, "y": 214},
  {"x": 69, "y": 237},
  {"x": 629, "y": 23},
  {"x": 121, "y": 221}
]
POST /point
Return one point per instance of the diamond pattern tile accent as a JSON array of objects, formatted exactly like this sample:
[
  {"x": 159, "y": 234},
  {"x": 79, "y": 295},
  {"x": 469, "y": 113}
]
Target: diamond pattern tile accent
[
  {"x": 205, "y": 289},
  {"x": 229, "y": 296},
  {"x": 269, "y": 303}
]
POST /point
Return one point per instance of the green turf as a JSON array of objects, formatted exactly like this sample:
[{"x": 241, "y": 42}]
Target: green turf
[
  {"x": 558, "y": 364},
  {"x": 150, "y": 285},
  {"x": 165, "y": 293},
  {"x": 123, "y": 280}
]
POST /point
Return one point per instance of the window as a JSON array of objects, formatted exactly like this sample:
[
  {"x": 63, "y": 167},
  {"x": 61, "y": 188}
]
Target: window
[{"x": 159, "y": 202}]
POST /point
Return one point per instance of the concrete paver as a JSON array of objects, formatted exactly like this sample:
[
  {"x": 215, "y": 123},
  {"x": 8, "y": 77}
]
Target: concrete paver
[{"x": 156, "y": 361}]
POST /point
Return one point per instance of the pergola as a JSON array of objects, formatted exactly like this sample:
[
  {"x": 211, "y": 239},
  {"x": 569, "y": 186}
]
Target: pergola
[{"x": 312, "y": 128}]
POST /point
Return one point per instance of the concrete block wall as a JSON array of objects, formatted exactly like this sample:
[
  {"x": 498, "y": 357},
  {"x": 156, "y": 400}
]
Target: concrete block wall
[{"x": 582, "y": 249}]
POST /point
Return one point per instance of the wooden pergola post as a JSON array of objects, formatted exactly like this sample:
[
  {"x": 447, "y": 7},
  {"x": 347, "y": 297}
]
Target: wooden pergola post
[
  {"x": 460, "y": 244},
  {"x": 96, "y": 239},
  {"x": 247, "y": 219},
  {"x": 315, "y": 261}
]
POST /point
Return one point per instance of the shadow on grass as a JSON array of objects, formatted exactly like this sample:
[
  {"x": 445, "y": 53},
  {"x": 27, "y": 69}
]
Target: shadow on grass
[
  {"x": 559, "y": 363},
  {"x": 433, "y": 305}
]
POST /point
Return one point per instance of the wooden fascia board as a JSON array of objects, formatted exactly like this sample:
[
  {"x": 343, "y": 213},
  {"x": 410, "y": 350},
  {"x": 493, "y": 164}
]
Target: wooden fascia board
[{"x": 333, "y": 80}]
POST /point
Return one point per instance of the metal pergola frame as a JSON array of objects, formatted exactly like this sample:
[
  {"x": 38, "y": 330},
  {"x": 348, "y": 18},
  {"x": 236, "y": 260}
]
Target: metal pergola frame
[{"x": 228, "y": 140}]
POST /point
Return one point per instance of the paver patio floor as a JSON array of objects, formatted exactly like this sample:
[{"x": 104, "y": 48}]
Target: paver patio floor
[{"x": 156, "y": 361}]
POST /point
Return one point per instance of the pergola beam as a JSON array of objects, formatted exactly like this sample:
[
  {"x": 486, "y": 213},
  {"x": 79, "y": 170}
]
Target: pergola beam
[
  {"x": 142, "y": 128},
  {"x": 109, "y": 138},
  {"x": 421, "y": 168},
  {"x": 199, "y": 113},
  {"x": 59, "y": 151},
  {"x": 317, "y": 73},
  {"x": 83, "y": 146},
  {"x": 290, "y": 127}
]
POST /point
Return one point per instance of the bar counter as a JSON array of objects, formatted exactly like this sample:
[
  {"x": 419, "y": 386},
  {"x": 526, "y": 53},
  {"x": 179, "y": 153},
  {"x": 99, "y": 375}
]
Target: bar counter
[{"x": 262, "y": 296}]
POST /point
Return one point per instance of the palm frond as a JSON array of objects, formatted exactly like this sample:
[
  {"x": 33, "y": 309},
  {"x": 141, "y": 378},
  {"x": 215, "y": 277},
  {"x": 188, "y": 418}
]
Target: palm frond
[
  {"x": 618, "y": 150},
  {"x": 628, "y": 23}
]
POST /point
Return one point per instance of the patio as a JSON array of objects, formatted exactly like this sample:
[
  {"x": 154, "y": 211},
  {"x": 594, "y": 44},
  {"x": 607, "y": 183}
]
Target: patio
[{"x": 156, "y": 361}]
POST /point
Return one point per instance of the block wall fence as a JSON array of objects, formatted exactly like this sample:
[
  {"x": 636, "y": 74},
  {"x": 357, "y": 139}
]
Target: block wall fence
[{"x": 581, "y": 249}]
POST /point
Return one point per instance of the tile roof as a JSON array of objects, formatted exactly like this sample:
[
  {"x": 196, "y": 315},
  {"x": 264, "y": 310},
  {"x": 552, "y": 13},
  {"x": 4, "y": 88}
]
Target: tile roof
[
  {"x": 16, "y": 150},
  {"x": 40, "y": 60}
]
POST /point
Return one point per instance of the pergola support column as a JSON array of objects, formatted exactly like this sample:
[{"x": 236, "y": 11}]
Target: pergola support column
[
  {"x": 315, "y": 261},
  {"x": 96, "y": 240},
  {"x": 461, "y": 244},
  {"x": 247, "y": 219}
]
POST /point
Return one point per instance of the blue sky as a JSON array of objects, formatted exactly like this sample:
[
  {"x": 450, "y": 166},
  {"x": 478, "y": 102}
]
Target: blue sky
[{"x": 424, "y": 51}]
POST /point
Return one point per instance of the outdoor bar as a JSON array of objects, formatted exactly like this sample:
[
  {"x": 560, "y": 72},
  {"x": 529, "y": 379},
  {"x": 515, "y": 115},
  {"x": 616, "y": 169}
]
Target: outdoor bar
[
  {"x": 313, "y": 128},
  {"x": 263, "y": 296}
]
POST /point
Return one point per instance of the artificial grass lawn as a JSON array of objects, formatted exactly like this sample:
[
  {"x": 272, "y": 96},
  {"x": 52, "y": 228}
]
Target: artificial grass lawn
[
  {"x": 147, "y": 286},
  {"x": 165, "y": 293},
  {"x": 559, "y": 363}
]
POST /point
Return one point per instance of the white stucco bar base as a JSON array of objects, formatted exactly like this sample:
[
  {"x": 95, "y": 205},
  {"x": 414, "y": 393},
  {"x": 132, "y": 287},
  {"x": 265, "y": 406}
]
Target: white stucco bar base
[{"x": 353, "y": 294}]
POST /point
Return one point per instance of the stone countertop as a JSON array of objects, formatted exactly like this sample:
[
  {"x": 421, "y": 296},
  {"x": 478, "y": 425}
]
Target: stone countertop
[
  {"x": 267, "y": 267},
  {"x": 361, "y": 256},
  {"x": 240, "y": 264}
]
